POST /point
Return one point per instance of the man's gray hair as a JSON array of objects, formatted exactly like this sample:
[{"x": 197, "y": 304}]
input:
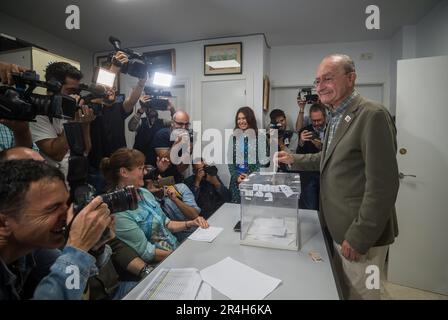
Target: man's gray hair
[{"x": 347, "y": 62}]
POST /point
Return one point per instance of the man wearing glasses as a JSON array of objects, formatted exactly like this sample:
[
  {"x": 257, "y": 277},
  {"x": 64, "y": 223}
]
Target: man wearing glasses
[
  {"x": 358, "y": 175},
  {"x": 164, "y": 139}
]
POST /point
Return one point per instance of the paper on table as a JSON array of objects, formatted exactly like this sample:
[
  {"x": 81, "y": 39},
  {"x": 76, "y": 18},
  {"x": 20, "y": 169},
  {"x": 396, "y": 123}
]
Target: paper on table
[
  {"x": 207, "y": 235},
  {"x": 239, "y": 281},
  {"x": 268, "y": 226},
  {"x": 172, "y": 284},
  {"x": 205, "y": 292}
]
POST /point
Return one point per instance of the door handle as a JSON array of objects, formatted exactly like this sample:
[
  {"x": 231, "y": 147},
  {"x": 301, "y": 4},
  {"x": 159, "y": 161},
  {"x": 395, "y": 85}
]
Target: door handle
[{"x": 401, "y": 175}]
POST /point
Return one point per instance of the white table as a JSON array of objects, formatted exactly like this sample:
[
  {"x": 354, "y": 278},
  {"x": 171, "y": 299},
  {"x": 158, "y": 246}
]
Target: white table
[{"x": 301, "y": 277}]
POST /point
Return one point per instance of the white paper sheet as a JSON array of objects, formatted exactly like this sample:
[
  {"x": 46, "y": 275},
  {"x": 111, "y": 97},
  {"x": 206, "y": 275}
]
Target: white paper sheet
[
  {"x": 268, "y": 226},
  {"x": 239, "y": 281},
  {"x": 173, "y": 284},
  {"x": 207, "y": 235},
  {"x": 205, "y": 292}
]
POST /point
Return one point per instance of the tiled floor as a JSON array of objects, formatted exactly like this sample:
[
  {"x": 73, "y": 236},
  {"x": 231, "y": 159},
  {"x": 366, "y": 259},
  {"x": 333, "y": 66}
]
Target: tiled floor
[{"x": 397, "y": 292}]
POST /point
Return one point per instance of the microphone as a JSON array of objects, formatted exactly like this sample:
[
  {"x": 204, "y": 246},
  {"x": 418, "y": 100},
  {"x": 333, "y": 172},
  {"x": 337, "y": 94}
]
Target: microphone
[{"x": 115, "y": 42}]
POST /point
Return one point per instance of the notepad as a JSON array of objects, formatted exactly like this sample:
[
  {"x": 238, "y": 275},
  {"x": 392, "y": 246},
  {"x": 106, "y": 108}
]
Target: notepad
[
  {"x": 206, "y": 235},
  {"x": 238, "y": 281}
]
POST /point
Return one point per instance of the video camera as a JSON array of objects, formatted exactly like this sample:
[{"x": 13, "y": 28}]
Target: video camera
[
  {"x": 20, "y": 103},
  {"x": 308, "y": 95},
  {"x": 135, "y": 67},
  {"x": 155, "y": 102}
]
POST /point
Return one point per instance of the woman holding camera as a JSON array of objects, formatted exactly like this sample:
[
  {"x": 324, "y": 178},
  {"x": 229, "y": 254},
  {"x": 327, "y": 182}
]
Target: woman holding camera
[
  {"x": 243, "y": 159},
  {"x": 147, "y": 229}
]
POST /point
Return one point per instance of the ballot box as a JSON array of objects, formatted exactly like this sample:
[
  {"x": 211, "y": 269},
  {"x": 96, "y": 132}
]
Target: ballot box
[{"x": 270, "y": 210}]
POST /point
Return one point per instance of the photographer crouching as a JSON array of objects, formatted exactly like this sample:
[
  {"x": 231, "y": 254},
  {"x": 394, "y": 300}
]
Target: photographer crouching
[
  {"x": 208, "y": 189},
  {"x": 33, "y": 216}
]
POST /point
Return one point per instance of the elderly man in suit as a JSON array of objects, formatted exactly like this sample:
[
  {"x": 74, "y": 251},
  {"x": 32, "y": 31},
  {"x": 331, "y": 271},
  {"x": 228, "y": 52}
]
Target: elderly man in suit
[{"x": 359, "y": 176}]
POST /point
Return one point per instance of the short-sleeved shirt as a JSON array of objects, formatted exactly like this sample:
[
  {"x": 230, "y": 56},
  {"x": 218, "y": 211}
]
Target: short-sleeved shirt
[
  {"x": 172, "y": 210},
  {"x": 43, "y": 129},
  {"x": 107, "y": 133}
]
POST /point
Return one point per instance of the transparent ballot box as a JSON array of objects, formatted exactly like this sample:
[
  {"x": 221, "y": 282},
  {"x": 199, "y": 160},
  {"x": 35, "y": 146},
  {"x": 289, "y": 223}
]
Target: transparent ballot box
[{"x": 270, "y": 210}]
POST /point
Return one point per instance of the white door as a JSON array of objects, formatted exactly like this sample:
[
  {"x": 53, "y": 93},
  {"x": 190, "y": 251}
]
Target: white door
[
  {"x": 419, "y": 257},
  {"x": 220, "y": 101}
]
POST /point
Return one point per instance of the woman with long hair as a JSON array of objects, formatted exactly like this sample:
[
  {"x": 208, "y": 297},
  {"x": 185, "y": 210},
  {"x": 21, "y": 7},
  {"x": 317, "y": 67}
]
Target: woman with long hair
[
  {"x": 243, "y": 157},
  {"x": 147, "y": 229}
]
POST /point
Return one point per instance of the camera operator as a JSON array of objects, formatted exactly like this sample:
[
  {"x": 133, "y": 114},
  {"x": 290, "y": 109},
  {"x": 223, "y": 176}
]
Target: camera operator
[
  {"x": 148, "y": 126},
  {"x": 48, "y": 133},
  {"x": 107, "y": 130},
  {"x": 33, "y": 215},
  {"x": 209, "y": 191},
  {"x": 311, "y": 138},
  {"x": 287, "y": 139},
  {"x": 13, "y": 133},
  {"x": 162, "y": 142}
]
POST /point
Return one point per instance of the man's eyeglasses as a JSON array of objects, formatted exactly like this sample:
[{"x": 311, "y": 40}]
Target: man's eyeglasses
[
  {"x": 182, "y": 124},
  {"x": 326, "y": 80}
]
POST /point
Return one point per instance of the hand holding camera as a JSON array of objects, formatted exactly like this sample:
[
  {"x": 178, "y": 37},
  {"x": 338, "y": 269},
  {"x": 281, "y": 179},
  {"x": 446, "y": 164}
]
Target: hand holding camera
[
  {"x": 89, "y": 224},
  {"x": 308, "y": 135},
  {"x": 6, "y": 70}
]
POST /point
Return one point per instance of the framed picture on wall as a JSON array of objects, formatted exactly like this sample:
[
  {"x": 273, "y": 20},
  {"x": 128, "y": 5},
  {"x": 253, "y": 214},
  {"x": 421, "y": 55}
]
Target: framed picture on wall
[
  {"x": 266, "y": 90},
  {"x": 226, "y": 58},
  {"x": 104, "y": 62},
  {"x": 161, "y": 61}
]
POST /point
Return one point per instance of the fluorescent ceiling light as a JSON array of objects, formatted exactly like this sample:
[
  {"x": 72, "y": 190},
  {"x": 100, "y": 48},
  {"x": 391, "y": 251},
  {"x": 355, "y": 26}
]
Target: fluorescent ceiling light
[
  {"x": 223, "y": 64},
  {"x": 162, "y": 79}
]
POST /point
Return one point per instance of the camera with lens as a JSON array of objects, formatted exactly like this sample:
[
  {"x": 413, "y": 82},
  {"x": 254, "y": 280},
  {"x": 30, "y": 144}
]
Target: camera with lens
[
  {"x": 211, "y": 170},
  {"x": 20, "y": 103},
  {"x": 119, "y": 200},
  {"x": 136, "y": 65},
  {"x": 314, "y": 135},
  {"x": 308, "y": 95},
  {"x": 156, "y": 102},
  {"x": 151, "y": 173}
]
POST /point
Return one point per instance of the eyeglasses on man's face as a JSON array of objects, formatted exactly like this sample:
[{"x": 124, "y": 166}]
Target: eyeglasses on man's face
[
  {"x": 181, "y": 124},
  {"x": 327, "y": 79}
]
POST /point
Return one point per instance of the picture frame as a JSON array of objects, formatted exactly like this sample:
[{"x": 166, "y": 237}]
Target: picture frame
[
  {"x": 229, "y": 52},
  {"x": 104, "y": 62},
  {"x": 161, "y": 61},
  {"x": 266, "y": 92}
]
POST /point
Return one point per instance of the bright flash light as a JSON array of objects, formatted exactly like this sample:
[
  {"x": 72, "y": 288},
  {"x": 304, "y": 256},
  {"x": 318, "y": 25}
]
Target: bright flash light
[{"x": 162, "y": 79}]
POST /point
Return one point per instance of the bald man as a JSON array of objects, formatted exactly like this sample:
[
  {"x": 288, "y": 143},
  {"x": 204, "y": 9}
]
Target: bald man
[
  {"x": 358, "y": 176},
  {"x": 20, "y": 153},
  {"x": 163, "y": 140}
]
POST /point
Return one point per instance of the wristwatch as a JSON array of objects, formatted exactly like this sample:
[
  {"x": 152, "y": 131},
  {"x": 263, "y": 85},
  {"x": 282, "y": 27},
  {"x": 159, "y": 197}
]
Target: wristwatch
[{"x": 145, "y": 271}]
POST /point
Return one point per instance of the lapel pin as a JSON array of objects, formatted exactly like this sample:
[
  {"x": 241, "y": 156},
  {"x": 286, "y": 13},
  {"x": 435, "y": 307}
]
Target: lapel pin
[{"x": 347, "y": 119}]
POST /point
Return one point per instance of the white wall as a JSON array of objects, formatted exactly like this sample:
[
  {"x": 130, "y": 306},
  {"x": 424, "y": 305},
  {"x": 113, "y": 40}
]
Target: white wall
[
  {"x": 190, "y": 71},
  {"x": 432, "y": 32},
  {"x": 295, "y": 66},
  {"x": 24, "y": 31}
]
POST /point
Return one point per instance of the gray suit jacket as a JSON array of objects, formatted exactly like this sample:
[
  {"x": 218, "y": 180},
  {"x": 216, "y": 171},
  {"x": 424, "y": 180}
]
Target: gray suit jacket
[{"x": 359, "y": 177}]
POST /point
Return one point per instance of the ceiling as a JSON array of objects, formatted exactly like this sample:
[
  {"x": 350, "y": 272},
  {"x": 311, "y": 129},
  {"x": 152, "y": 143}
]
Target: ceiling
[{"x": 284, "y": 22}]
